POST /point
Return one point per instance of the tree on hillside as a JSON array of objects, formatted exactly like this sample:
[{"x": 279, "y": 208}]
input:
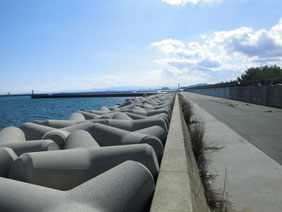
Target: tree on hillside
[{"x": 261, "y": 75}]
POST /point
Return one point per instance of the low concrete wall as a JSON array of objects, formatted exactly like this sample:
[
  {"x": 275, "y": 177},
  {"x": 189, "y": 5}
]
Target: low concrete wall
[
  {"x": 218, "y": 92},
  {"x": 179, "y": 187},
  {"x": 262, "y": 95}
]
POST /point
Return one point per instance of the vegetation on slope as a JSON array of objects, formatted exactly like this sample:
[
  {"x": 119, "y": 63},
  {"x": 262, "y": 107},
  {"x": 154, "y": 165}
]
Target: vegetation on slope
[
  {"x": 215, "y": 201},
  {"x": 261, "y": 75}
]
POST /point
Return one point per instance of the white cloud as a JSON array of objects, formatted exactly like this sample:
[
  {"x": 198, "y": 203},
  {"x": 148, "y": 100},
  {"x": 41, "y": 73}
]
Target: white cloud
[
  {"x": 170, "y": 46},
  {"x": 260, "y": 43},
  {"x": 223, "y": 55},
  {"x": 184, "y": 2}
]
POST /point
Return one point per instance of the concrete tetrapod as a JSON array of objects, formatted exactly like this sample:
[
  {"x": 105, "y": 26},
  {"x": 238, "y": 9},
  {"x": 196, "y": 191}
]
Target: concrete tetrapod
[
  {"x": 163, "y": 116},
  {"x": 116, "y": 115},
  {"x": 20, "y": 147},
  {"x": 127, "y": 105},
  {"x": 139, "y": 109},
  {"x": 110, "y": 108},
  {"x": 111, "y": 136},
  {"x": 148, "y": 106},
  {"x": 104, "y": 108},
  {"x": 88, "y": 115},
  {"x": 127, "y": 187},
  {"x": 86, "y": 125},
  {"x": 157, "y": 131},
  {"x": 80, "y": 139},
  {"x": 165, "y": 106},
  {"x": 56, "y": 123},
  {"x": 11, "y": 134},
  {"x": 96, "y": 112},
  {"x": 7, "y": 157},
  {"x": 148, "y": 113},
  {"x": 135, "y": 116},
  {"x": 135, "y": 124},
  {"x": 34, "y": 131},
  {"x": 77, "y": 117},
  {"x": 105, "y": 115},
  {"x": 66, "y": 169},
  {"x": 59, "y": 136}
]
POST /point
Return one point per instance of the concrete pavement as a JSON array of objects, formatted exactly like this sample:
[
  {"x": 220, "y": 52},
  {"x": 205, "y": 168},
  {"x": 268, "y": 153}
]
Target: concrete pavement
[
  {"x": 249, "y": 179},
  {"x": 260, "y": 125}
]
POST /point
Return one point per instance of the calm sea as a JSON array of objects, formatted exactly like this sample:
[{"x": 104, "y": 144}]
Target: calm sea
[{"x": 14, "y": 111}]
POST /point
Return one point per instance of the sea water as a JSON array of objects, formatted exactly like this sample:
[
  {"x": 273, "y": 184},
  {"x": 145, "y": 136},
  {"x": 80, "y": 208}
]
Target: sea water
[{"x": 14, "y": 111}]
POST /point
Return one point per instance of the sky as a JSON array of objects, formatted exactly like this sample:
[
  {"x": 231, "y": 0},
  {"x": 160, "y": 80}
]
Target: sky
[{"x": 71, "y": 45}]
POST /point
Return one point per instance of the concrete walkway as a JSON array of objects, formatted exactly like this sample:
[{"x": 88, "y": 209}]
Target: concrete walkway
[
  {"x": 253, "y": 181},
  {"x": 260, "y": 125}
]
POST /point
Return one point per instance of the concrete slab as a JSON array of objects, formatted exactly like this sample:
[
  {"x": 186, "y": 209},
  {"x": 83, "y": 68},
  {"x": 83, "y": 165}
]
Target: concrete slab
[
  {"x": 260, "y": 125},
  {"x": 253, "y": 180}
]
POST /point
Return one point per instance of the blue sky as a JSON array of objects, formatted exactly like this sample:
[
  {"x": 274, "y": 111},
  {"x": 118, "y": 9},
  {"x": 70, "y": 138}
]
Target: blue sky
[{"x": 50, "y": 46}]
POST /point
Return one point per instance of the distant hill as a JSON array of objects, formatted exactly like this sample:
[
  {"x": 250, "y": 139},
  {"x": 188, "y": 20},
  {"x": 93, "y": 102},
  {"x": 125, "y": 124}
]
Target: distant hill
[
  {"x": 133, "y": 88},
  {"x": 195, "y": 85},
  {"x": 112, "y": 89},
  {"x": 125, "y": 88}
]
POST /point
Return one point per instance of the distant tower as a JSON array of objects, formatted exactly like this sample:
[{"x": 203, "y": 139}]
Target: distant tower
[
  {"x": 178, "y": 85},
  {"x": 32, "y": 92}
]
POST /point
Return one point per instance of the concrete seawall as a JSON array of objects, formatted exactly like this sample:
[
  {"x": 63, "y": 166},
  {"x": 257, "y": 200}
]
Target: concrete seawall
[
  {"x": 179, "y": 187},
  {"x": 262, "y": 95}
]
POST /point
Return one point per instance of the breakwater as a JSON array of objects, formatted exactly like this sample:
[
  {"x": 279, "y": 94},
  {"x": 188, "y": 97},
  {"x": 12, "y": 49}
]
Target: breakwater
[
  {"x": 106, "y": 159},
  {"x": 263, "y": 95},
  {"x": 76, "y": 95}
]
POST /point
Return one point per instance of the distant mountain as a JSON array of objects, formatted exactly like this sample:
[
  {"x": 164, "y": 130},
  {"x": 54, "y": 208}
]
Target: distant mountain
[
  {"x": 125, "y": 88},
  {"x": 165, "y": 88},
  {"x": 111, "y": 89},
  {"x": 133, "y": 88},
  {"x": 195, "y": 85}
]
